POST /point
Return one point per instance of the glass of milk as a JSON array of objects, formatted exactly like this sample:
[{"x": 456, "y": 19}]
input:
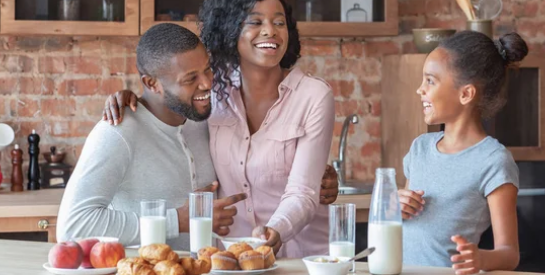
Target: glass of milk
[
  {"x": 153, "y": 222},
  {"x": 385, "y": 227},
  {"x": 342, "y": 230},
  {"x": 200, "y": 221}
]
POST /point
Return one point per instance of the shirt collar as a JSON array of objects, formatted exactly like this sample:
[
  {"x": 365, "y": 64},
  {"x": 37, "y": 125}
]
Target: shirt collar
[{"x": 292, "y": 80}]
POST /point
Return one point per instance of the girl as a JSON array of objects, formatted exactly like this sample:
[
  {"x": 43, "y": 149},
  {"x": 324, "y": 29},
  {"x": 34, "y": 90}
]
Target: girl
[
  {"x": 461, "y": 181},
  {"x": 271, "y": 126}
]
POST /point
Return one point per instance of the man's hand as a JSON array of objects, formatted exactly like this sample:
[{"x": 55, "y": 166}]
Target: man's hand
[
  {"x": 270, "y": 235},
  {"x": 330, "y": 186},
  {"x": 224, "y": 211}
]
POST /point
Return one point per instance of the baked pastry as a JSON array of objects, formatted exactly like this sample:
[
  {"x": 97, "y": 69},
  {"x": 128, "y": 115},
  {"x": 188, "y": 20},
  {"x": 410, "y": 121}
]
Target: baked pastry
[
  {"x": 251, "y": 260},
  {"x": 195, "y": 267},
  {"x": 238, "y": 248},
  {"x": 268, "y": 255},
  {"x": 206, "y": 252},
  {"x": 134, "y": 266},
  {"x": 168, "y": 268},
  {"x": 155, "y": 253},
  {"x": 224, "y": 260}
]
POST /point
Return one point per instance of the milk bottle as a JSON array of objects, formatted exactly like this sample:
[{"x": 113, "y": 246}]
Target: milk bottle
[{"x": 385, "y": 227}]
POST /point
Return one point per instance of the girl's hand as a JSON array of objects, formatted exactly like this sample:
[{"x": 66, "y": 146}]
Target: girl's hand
[
  {"x": 115, "y": 106},
  {"x": 411, "y": 203},
  {"x": 469, "y": 259}
]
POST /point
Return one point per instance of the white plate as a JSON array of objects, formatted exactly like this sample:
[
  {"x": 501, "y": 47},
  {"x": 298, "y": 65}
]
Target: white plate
[
  {"x": 80, "y": 271},
  {"x": 243, "y": 272}
]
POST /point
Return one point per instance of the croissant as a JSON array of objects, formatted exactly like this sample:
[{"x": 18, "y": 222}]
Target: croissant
[
  {"x": 155, "y": 253},
  {"x": 168, "y": 268},
  {"x": 134, "y": 266},
  {"x": 195, "y": 267}
]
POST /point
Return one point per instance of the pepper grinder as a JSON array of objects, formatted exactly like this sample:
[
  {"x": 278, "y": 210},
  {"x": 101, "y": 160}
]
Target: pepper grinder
[
  {"x": 17, "y": 170},
  {"x": 33, "y": 167}
]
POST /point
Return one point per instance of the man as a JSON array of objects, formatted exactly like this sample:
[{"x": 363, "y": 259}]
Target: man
[{"x": 159, "y": 152}]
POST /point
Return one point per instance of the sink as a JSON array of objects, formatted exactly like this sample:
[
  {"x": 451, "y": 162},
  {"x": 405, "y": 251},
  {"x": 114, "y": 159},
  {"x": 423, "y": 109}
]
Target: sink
[{"x": 348, "y": 189}]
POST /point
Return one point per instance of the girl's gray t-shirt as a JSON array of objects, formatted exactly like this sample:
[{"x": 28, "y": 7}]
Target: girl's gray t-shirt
[{"x": 456, "y": 187}]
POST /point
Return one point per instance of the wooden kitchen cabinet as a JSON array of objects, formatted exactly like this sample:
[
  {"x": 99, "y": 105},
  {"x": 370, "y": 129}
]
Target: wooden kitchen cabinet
[
  {"x": 321, "y": 19},
  {"x": 30, "y": 224},
  {"x": 183, "y": 13},
  {"x": 30, "y": 211},
  {"x": 520, "y": 125},
  {"x": 89, "y": 17}
]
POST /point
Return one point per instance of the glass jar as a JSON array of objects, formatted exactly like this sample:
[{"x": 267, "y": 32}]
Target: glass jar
[{"x": 356, "y": 14}]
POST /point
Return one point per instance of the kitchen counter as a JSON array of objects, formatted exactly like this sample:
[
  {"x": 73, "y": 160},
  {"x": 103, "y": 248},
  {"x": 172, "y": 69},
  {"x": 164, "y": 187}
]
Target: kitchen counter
[
  {"x": 30, "y": 211},
  {"x": 23, "y": 258},
  {"x": 23, "y": 211},
  {"x": 37, "y": 203},
  {"x": 46, "y": 202}
]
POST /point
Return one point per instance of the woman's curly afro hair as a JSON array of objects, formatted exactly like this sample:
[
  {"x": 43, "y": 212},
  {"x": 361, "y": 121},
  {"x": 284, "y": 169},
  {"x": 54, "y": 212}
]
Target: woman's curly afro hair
[{"x": 221, "y": 25}]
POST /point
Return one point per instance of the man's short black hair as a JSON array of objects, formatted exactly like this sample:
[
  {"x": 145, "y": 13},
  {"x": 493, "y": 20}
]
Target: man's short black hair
[{"x": 159, "y": 44}]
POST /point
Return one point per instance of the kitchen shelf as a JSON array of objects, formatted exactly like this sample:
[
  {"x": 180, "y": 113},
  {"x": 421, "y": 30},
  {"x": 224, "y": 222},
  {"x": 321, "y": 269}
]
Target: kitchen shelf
[
  {"x": 21, "y": 17},
  {"x": 184, "y": 14}
]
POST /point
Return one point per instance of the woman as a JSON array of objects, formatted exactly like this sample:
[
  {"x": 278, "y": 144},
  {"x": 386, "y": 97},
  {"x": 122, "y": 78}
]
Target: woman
[
  {"x": 462, "y": 181},
  {"x": 270, "y": 128}
]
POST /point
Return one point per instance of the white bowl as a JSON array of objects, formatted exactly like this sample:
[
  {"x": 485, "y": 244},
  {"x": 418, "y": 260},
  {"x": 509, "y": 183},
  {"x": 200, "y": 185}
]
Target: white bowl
[
  {"x": 6, "y": 136},
  {"x": 253, "y": 242},
  {"x": 316, "y": 268}
]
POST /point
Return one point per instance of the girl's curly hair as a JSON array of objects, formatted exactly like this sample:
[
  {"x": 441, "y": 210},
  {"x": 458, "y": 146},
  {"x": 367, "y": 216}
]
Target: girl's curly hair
[{"x": 221, "y": 25}]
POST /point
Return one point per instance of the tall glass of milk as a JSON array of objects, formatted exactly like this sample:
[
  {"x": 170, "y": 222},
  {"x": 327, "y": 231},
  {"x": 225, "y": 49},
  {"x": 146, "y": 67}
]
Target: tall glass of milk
[
  {"x": 342, "y": 230},
  {"x": 153, "y": 222},
  {"x": 200, "y": 221},
  {"x": 385, "y": 230}
]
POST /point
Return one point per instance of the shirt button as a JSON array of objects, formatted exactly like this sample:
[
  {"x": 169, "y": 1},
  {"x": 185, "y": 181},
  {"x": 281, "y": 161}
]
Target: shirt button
[
  {"x": 193, "y": 175},
  {"x": 247, "y": 138},
  {"x": 249, "y": 209},
  {"x": 191, "y": 159},
  {"x": 241, "y": 163},
  {"x": 245, "y": 185}
]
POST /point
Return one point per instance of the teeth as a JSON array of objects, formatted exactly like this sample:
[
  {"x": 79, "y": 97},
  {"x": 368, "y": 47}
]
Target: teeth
[
  {"x": 266, "y": 45},
  {"x": 205, "y": 97},
  {"x": 426, "y": 104}
]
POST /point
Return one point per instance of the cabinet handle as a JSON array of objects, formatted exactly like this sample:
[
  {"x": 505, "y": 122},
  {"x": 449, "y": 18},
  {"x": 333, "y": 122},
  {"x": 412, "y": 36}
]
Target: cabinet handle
[{"x": 44, "y": 224}]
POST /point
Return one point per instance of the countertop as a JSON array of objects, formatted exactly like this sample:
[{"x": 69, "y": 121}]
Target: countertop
[
  {"x": 24, "y": 258},
  {"x": 39, "y": 203}
]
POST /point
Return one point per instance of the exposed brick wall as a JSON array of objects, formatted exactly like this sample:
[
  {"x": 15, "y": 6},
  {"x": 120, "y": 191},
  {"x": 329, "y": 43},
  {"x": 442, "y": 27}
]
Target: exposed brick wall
[{"x": 57, "y": 85}]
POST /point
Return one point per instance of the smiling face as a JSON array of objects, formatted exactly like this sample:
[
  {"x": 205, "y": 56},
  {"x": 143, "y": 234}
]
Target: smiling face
[
  {"x": 186, "y": 84},
  {"x": 440, "y": 97},
  {"x": 264, "y": 37}
]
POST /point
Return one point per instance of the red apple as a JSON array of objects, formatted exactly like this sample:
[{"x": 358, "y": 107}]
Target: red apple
[
  {"x": 86, "y": 246},
  {"x": 106, "y": 254},
  {"x": 65, "y": 255}
]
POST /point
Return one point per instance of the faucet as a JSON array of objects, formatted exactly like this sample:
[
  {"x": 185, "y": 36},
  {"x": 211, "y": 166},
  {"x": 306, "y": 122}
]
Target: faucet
[{"x": 340, "y": 164}]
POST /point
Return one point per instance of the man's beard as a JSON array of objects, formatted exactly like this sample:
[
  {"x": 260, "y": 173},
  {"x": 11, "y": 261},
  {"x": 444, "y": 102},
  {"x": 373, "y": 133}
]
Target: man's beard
[{"x": 188, "y": 111}]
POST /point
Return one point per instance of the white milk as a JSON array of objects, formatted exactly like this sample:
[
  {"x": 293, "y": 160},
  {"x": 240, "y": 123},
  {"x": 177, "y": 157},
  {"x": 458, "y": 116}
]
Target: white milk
[
  {"x": 153, "y": 229},
  {"x": 387, "y": 240},
  {"x": 342, "y": 249},
  {"x": 200, "y": 233}
]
